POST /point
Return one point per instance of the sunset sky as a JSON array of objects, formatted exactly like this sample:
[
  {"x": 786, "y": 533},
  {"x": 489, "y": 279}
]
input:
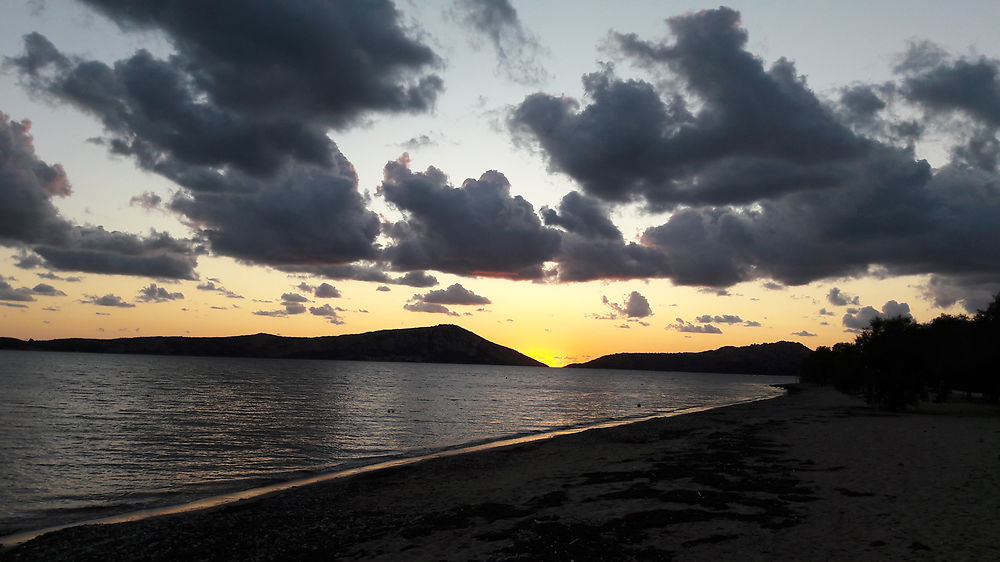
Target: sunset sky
[{"x": 567, "y": 178}]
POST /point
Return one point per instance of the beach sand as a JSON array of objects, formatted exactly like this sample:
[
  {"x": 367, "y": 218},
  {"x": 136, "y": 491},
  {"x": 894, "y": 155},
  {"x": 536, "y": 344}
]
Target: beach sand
[{"x": 813, "y": 475}]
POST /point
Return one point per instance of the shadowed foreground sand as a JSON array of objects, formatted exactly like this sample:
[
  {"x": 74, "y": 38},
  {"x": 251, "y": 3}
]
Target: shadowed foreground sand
[{"x": 812, "y": 476}]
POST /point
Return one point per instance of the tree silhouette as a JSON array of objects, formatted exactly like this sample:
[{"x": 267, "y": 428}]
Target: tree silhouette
[{"x": 897, "y": 362}]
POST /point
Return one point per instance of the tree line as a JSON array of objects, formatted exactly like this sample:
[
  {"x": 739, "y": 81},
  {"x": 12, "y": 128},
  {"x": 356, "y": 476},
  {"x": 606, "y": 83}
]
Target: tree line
[{"x": 898, "y": 362}]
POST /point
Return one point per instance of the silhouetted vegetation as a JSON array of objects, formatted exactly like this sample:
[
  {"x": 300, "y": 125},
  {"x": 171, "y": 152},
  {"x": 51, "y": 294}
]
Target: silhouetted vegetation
[{"x": 898, "y": 361}]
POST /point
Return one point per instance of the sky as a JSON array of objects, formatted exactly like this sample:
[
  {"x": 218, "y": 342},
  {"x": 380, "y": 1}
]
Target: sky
[{"x": 567, "y": 178}]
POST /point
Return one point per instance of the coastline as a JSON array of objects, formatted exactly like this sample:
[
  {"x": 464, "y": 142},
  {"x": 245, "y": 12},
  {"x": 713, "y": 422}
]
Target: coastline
[{"x": 812, "y": 474}]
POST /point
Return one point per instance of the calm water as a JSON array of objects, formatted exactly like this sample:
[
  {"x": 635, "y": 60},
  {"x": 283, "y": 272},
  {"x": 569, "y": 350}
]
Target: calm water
[{"x": 86, "y": 435}]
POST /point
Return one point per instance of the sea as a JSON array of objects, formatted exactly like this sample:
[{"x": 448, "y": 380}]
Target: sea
[{"x": 84, "y": 436}]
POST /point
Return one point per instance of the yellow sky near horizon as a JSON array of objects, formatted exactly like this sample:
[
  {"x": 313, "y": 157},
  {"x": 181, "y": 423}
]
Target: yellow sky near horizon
[{"x": 553, "y": 323}]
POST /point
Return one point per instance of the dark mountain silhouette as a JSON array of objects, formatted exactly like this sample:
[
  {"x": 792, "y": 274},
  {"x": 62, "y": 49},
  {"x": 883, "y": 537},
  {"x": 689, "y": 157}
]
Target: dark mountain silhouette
[
  {"x": 437, "y": 344},
  {"x": 780, "y": 358}
]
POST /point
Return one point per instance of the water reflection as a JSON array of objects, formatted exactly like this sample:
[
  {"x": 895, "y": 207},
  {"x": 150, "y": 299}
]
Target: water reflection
[{"x": 95, "y": 432}]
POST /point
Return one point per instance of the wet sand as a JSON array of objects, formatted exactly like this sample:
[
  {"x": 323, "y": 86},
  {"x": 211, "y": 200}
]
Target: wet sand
[{"x": 812, "y": 475}]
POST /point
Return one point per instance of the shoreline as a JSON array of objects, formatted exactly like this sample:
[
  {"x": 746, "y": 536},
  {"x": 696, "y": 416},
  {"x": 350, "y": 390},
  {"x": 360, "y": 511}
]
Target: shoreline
[
  {"x": 811, "y": 474},
  {"x": 226, "y": 498}
]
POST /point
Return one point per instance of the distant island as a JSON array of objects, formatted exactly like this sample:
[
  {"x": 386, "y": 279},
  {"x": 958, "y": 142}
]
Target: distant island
[
  {"x": 780, "y": 358},
  {"x": 446, "y": 343}
]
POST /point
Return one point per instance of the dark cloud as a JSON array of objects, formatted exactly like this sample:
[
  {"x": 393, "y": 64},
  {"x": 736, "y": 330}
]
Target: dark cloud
[
  {"x": 973, "y": 292},
  {"x": 634, "y": 306},
  {"x": 765, "y": 180},
  {"x": 383, "y": 289},
  {"x": 52, "y": 276},
  {"x": 326, "y": 291},
  {"x": 292, "y": 303},
  {"x": 95, "y": 250},
  {"x": 758, "y": 132},
  {"x": 416, "y": 279},
  {"x": 13, "y": 305},
  {"x": 419, "y": 306},
  {"x": 27, "y": 186},
  {"x": 723, "y": 319},
  {"x": 862, "y": 102},
  {"x": 210, "y": 285},
  {"x": 107, "y": 300},
  {"x": 804, "y": 334},
  {"x": 582, "y": 215},
  {"x": 328, "y": 312},
  {"x": 476, "y": 229},
  {"x": 271, "y": 313},
  {"x": 682, "y": 326},
  {"x": 752, "y": 324},
  {"x": 837, "y": 298},
  {"x": 301, "y": 215},
  {"x": 417, "y": 142},
  {"x": 9, "y": 293},
  {"x": 28, "y": 261},
  {"x": 592, "y": 247},
  {"x": 940, "y": 84},
  {"x": 152, "y": 293},
  {"x": 47, "y": 290},
  {"x": 239, "y": 119},
  {"x": 28, "y": 218},
  {"x": 856, "y": 319},
  {"x": 455, "y": 294},
  {"x": 825, "y": 312},
  {"x": 517, "y": 49},
  {"x": 302, "y": 60},
  {"x": 148, "y": 200},
  {"x": 354, "y": 272}
]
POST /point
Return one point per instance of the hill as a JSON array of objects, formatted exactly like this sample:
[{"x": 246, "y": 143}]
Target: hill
[
  {"x": 446, "y": 343},
  {"x": 780, "y": 358}
]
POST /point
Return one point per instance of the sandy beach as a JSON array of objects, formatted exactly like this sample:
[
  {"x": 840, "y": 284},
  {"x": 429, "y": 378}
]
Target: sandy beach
[{"x": 813, "y": 475}]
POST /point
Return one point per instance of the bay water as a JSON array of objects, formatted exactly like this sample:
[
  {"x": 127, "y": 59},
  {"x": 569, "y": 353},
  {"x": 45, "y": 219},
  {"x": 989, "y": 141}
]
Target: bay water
[{"x": 91, "y": 435}]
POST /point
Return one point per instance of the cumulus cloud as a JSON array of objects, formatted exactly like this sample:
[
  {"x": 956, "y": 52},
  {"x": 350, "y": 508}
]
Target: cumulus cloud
[
  {"x": 804, "y": 334},
  {"x": 291, "y": 304},
  {"x": 682, "y": 326},
  {"x": 723, "y": 319},
  {"x": 517, "y": 49},
  {"x": 210, "y": 285},
  {"x": 837, "y": 298},
  {"x": 475, "y": 229},
  {"x": 455, "y": 294},
  {"x": 27, "y": 186},
  {"x": 326, "y": 291},
  {"x": 152, "y": 293},
  {"x": 148, "y": 200},
  {"x": 383, "y": 289},
  {"x": 765, "y": 180},
  {"x": 420, "y": 306},
  {"x": 416, "y": 279},
  {"x": 47, "y": 290},
  {"x": 328, "y": 312},
  {"x": 238, "y": 115},
  {"x": 634, "y": 306},
  {"x": 29, "y": 218},
  {"x": 109, "y": 299},
  {"x": 9, "y": 293},
  {"x": 28, "y": 261},
  {"x": 857, "y": 319}
]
